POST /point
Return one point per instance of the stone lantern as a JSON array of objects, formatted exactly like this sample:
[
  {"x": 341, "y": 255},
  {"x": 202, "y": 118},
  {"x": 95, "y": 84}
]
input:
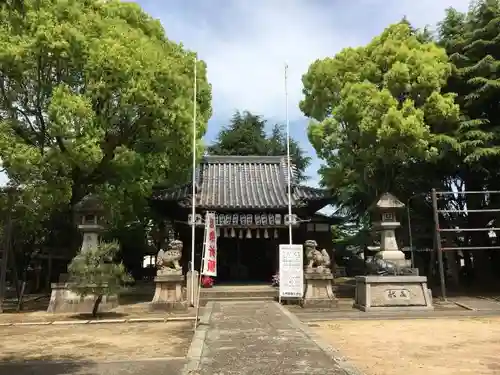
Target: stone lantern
[
  {"x": 90, "y": 218},
  {"x": 384, "y": 215},
  {"x": 390, "y": 286}
]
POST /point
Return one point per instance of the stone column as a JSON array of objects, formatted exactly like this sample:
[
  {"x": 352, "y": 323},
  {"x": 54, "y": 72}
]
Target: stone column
[{"x": 189, "y": 286}]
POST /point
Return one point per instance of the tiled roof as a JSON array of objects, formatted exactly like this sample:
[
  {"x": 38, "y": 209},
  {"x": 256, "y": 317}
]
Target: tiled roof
[{"x": 234, "y": 182}]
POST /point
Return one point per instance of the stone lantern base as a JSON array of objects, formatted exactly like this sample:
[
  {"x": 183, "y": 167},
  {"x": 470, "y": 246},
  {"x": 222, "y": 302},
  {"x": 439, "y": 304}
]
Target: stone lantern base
[
  {"x": 168, "y": 293},
  {"x": 318, "y": 290},
  {"x": 64, "y": 300},
  {"x": 396, "y": 257}
]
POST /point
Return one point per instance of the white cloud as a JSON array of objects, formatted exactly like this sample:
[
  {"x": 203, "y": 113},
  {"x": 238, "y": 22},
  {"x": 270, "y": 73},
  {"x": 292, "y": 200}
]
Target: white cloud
[
  {"x": 247, "y": 47},
  {"x": 246, "y": 60},
  {"x": 248, "y": 71}
]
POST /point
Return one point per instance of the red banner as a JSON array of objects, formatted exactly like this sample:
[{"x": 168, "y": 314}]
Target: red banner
[{"x": 210, "y": 252}]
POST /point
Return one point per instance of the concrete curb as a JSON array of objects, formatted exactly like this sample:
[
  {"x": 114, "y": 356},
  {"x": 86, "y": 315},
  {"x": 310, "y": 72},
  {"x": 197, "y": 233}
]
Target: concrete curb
[
  {"x": 464, "y": 306},
  {"x": 195, "y": 351},
  {"x": 101, "y": 321},
  {"x": 334, "y": 354}
]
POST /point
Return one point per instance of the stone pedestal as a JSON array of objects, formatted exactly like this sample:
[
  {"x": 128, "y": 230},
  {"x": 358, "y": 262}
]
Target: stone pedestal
[
  {"x": 189, "y": 286},
  {"x": 392, "y": 293},
  {"x": 168, "y": 293},
  {"x": 64, "y": 300},
  {"x": 318, "y": 290}
]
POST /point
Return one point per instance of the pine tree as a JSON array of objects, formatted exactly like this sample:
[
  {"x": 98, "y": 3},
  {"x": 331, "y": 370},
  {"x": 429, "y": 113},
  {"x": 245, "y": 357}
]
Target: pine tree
[
  {"x": 246, "y": 136},
  {"x": 93, "y": 272}
]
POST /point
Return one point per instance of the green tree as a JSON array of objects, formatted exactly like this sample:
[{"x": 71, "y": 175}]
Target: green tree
[
  {"x": 94, "y": 99},
  {"x": 246, "y": 135},
  {"x": 471, "y": 41},
  {"x": 423, "y": 35},
  {"x": 276, "y": 145},
  {"x": 94, "y": 272},
  {"x": 379, "y": 116}
]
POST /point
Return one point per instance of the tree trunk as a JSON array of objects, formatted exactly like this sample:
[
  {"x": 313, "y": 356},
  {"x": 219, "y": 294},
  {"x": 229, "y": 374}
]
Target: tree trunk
[{"x": 96, "y": 305}]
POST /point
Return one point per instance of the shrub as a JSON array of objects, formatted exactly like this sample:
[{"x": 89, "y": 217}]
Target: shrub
[
  {"x": 207, "y": 282},
  {"x": 93, "y": 271}
]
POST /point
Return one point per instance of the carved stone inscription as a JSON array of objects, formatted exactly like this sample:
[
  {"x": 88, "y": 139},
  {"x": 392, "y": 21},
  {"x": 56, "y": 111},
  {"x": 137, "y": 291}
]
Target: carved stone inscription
[{"x": 397, "y": 294}]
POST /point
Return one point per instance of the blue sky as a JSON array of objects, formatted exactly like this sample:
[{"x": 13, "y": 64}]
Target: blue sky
[{"x": 246, "y": 43}]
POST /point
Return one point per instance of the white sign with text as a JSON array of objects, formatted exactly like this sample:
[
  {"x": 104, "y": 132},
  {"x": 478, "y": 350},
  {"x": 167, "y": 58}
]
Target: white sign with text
[{"x": 291, "y": 271}]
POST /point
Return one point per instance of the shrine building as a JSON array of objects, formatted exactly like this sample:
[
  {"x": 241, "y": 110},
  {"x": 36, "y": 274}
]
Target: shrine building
[{"x": 250, "y": 199}]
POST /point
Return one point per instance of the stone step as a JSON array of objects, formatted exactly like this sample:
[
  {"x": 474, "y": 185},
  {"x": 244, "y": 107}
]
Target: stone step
[
  {"x": 204, "y": 301},
  {"x": 269, "y": 292},
  {"x": 214, "y": 293}
]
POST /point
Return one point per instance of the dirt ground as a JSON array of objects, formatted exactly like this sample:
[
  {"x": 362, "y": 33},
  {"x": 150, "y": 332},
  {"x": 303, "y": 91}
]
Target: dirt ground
[
  {"x": 452, "y": 346},
  {"x": 95, "y": 342}
]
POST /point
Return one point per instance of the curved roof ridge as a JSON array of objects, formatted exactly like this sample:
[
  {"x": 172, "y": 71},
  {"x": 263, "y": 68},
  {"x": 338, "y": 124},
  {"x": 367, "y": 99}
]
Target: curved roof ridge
[{"x": 250, "y": 182}]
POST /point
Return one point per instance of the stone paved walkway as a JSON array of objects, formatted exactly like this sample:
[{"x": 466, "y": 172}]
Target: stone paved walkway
[{"x": 260, "y": 338}]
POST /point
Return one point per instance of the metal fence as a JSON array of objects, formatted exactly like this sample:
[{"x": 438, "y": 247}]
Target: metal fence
[{"x": 438, "y": 229}]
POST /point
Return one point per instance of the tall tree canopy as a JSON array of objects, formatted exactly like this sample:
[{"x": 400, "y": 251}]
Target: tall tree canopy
[
  {"x": 94, "y": 98},
  {"x": 379, "y": 113},
  {"x": 412, "y": 111},
  {"x": 246, "y": 135},
  {"x": 471, "y": 41}
]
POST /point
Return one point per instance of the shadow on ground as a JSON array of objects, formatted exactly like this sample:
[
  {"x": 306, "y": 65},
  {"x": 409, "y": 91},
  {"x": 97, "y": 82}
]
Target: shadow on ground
[
  {"x": 490, "y": 291},
  {"x": 142, "y": 292},
  {"x": 47, "y": 366},
  {"x": 345, "y": 290},
  {"x": 138, "y": 293},
  {"x": 101, "y": 315},
  {"x": 31, "y": 303},
  {"x": 44, "y": 366}
]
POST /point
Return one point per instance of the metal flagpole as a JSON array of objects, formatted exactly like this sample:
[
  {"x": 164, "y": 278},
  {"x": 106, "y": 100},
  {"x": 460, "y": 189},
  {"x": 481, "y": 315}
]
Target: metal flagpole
[
  {"x": 193, "y": 202},
  {"x": 202, "y": 265},
  {"x": 289, "y": 174}
]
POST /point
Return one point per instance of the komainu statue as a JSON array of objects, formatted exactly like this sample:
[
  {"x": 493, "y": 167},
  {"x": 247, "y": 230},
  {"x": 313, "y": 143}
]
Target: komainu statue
[
  {"x": 317, "y": 261},
  {"x": 167, "y": 261},
  {"x": 382, "y": 267}
]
